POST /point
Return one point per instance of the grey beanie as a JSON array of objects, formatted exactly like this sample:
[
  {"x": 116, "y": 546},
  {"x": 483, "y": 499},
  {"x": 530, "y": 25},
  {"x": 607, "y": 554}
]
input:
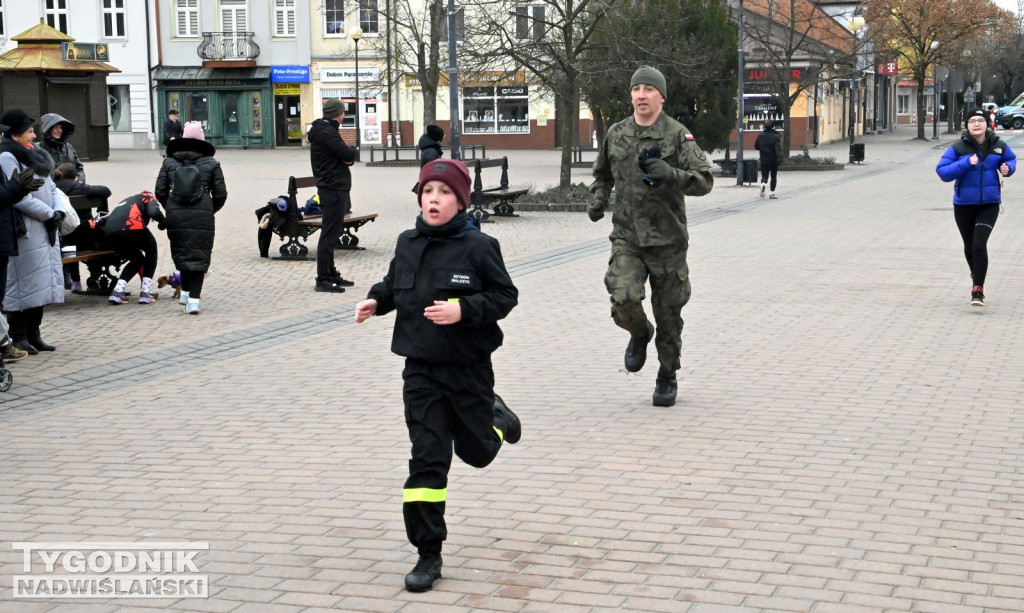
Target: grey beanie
[
  {"x": 333, "y": 107},
  {"x": 649, "y": 76}
]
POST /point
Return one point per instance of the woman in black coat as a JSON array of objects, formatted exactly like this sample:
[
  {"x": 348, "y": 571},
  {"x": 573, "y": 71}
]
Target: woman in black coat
[{"x": 190, "y": 223}]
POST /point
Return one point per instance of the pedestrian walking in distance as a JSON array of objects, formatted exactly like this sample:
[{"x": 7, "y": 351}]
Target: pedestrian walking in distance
[
  {"x": 652, "y": 161},
  {"x": 769, "y": 146},
  {"x": 977, "y": 164},
  {"x": 448, "y": 287}
]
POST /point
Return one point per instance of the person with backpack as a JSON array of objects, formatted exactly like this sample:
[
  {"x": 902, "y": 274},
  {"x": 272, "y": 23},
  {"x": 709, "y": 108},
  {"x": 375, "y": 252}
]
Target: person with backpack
[
  {"x": 191, "y": 189},
  {"x": 126, "y": 232},
  {"x": 977, "y": 164}
]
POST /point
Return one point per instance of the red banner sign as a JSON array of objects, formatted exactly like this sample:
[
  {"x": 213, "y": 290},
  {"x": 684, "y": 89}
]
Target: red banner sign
[{"x": 889, "y": 68}]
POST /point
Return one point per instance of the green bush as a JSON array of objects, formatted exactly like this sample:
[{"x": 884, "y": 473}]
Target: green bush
[
  {"x": 804, "y": 159},
  {"x": 578, "y": 193}
]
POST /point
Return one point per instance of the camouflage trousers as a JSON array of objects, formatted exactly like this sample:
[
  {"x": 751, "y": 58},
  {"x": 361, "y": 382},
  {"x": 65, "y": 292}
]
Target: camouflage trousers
[{"x": 629, "y": 268}]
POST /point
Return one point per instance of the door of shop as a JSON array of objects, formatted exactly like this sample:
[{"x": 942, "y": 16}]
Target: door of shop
[
  {"x": 287, "y": 124},
  {"x": 232, "y": 116}
]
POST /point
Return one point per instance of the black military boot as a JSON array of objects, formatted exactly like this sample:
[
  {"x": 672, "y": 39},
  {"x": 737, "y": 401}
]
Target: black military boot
[
  {"x": 665, "y": 390},
  {"x": 636, "y": 350},
  {"x": 512, "y": 429},
  {"x": 425, "y": 573}
]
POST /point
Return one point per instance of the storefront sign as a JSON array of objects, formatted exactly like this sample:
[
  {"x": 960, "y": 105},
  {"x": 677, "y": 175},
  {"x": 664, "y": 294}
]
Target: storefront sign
[
  {"x": 287, "y": 89},
  {"x": 289, "y": 74},
  {"x": 370, "y": 74},
  {"x": 85, "y": 52},
  {"x": 889, "y": 68}
]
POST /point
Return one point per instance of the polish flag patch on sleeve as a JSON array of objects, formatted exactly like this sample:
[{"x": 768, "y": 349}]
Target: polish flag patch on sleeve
[{"x": 689, "y": 137}]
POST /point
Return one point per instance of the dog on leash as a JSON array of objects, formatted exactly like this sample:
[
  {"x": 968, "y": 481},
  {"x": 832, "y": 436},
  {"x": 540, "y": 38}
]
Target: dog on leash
[{"x": 173, "y": 279}]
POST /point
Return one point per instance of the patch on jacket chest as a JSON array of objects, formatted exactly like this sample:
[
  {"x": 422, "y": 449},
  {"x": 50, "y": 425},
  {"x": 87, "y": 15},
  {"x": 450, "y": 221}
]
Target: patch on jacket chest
[{"x": 460, "y": 279}]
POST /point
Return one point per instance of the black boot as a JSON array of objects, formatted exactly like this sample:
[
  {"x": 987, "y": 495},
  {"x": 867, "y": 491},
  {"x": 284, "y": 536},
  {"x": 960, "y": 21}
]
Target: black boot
[
  {"x": 425, "y": 573},
  {"x": 636, "y": 350},
  {"x": 37, "y": 342},
  {"x": 26, "y": 347},
  {"x": 34, "y": 319},
  {"x": 507, "y": 421},
  {"x": 665, "y": 390}
]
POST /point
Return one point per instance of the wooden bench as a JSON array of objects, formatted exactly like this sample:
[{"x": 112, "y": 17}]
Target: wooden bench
[
  {"x": 503, "y": 195},
  {"x": 577, "y": 157},
  {"x": 104, "y": 267},
  {"x": 297, "y": 227}
]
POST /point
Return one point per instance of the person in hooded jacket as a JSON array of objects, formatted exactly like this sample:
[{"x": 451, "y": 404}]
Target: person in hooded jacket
[
  {"x": 190, "y": 225},
  {"x": 11, "y": 191},
  {"x": 35, "y": 278},
  {"x": 769, "y": 146},
  {"x": 976, "y": 164},
  {"x": 331, "y": 158},
  {"x": 67, "y": 181},
  {"x": 56, "y": 132}
]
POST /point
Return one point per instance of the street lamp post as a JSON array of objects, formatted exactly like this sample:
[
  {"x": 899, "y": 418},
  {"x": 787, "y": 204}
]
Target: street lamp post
[
  {"x": 935, "y": 94},
  {"x": 739, "y": 108},
  {"x": 357, "y": 34},
  {"x": 855, "y": 25}
]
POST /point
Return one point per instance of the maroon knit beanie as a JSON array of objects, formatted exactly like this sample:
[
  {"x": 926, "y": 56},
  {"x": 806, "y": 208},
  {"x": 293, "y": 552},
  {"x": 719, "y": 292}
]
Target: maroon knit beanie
[{"x": 453, "y": 173}]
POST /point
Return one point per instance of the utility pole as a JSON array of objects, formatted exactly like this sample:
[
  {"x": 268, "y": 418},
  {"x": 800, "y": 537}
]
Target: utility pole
[
  {"x": 739, "y": 107},
  {"x": 453, "y": 84}
]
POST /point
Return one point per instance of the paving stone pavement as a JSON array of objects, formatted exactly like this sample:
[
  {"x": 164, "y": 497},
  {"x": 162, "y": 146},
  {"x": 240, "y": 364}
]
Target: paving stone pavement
[{"x": 846, "y": 438}]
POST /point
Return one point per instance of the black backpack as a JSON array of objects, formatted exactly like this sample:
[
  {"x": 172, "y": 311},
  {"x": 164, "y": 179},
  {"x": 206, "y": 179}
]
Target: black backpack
[{"x": 187, "y": 183}]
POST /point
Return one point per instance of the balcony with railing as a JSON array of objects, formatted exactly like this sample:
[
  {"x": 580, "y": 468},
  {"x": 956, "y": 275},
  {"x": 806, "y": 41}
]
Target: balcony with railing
[{"x": 234, "y": 47}]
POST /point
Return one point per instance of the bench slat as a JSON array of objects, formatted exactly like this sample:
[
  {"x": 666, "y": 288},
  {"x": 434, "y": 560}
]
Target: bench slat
[
  {"x": 83, "y": 256},
  {"x": 317, "y": 220}
]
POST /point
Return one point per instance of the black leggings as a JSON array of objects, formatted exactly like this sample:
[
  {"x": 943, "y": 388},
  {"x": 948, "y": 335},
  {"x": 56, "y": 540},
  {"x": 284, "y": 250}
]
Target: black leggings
[
  {"x": 769, "y": 168},
  {"x": 975, "y": 223},
  {"x": 192, "y": 282},
  {"x": 139, "y": 247}
]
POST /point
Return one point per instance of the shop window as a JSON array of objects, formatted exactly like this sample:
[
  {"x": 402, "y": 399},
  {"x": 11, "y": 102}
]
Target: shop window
[
  {"x": 186, "y": 18},
  {"x": 334, "y": 17},
  {"x": 530, "y": 22},
  {"x": 496, "y": 110},
  {"x": 233, "y": 16},
  {"x": 56, "y": 13},
  {"x": 113, "y": 18},
  {"x": 349, "y": 121},
  {"x": 284, "y": 17},
  {"x": 368, "y": 16},
  {"x": 903, "y": 104},
  {"x": 119, "y": 108},
  {"x": 197, "y": 107},
  {"x": 460, "y": 26}
]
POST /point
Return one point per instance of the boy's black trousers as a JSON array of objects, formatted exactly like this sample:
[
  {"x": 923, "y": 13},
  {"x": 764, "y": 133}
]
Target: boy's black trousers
[{"x": 446, "y": 407}]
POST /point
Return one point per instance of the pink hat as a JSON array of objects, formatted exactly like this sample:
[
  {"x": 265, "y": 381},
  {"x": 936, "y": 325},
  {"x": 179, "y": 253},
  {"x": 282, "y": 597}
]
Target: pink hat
[
  {"x": 194, "y": 129},
  {"x": 451, "y": 172}
]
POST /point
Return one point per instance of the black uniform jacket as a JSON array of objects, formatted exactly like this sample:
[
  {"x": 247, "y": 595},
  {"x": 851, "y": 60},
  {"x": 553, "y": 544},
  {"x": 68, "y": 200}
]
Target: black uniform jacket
[{"x": 450, "y": 262}]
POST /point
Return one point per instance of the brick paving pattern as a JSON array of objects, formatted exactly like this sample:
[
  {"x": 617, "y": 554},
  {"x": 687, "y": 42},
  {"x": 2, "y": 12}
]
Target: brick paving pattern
[{"x": 845, "y": 440}]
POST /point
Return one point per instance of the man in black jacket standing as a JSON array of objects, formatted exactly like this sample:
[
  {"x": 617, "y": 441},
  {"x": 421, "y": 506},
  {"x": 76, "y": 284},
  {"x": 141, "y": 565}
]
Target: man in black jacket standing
[
  {"x": 172, "y": 127},
  {"x": 331, "y": 158}
]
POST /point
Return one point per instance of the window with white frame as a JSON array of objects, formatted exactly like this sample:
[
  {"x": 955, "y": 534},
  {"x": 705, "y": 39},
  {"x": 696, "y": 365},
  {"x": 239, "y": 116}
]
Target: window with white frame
[
  {"x": 529, "y": 22},
  {"x": 369, "y": 17},
  {"x": 113, "y": 18},
  {"x": 284, "y": 17},
  {"x": 903, "y": 104},
  {"x": 186, "y": 18},
  {"x": 460, "y": 26},
  {"x": 233, "y": 17},
  {"x": 119, "y": 108},
  {"x": 56, "y": 14},
  {"x": 334, "y": 17}
]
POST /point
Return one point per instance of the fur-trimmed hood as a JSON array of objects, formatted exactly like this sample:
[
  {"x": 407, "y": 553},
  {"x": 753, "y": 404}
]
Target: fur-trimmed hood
[{"x": 34, "y": 157}]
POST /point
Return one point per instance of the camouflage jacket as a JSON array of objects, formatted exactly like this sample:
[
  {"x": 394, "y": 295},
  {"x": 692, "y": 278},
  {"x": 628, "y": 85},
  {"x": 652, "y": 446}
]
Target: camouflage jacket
[{"x": 642, "y": 216}]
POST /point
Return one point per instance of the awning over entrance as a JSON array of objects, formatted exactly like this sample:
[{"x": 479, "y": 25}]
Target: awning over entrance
[{"x": 191, "y": 73}]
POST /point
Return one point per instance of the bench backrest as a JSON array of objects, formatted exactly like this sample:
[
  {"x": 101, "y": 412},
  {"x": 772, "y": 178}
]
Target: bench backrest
[
  {"x": 478, "y": 182},
  {"x": 87, "y": 203},
  {"x": 297, "y": 183}
]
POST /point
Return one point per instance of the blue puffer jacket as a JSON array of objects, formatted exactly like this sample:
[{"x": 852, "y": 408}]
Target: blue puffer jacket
[{"x": 978, "y": 184}]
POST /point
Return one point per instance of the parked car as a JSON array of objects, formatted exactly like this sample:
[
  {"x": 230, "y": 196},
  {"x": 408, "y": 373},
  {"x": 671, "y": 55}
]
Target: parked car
[{"x": 1010, "y": 117}]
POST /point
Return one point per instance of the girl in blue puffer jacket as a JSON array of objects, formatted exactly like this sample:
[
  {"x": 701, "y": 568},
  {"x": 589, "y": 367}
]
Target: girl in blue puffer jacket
[{"x": 977, "y": 163}]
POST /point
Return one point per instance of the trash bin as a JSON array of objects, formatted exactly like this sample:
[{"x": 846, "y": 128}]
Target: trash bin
[
  {"x": 750, "y": 171},
  {"x": 857, "y": 152}
]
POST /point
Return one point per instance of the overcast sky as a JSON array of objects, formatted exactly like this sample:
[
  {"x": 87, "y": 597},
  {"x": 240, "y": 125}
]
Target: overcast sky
[{"x": 1009, "y": 5}]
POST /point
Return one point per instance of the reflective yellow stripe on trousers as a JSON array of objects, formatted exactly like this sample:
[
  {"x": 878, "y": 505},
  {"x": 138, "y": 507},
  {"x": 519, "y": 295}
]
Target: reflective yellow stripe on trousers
[{"x": 424, "y": 494}]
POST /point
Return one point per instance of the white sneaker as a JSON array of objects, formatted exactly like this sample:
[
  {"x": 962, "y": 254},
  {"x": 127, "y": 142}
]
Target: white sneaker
[
  {"x": 183, "y": 298},
  {"x": 192, "y": 307},
  {"x": 772, "y": 197},
  {"x": 762, "y": 189}
]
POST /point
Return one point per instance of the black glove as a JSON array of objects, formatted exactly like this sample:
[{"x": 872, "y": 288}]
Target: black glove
[
  {"x": 27, "y": 179},
  {"x": 52, "y": 226}
]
